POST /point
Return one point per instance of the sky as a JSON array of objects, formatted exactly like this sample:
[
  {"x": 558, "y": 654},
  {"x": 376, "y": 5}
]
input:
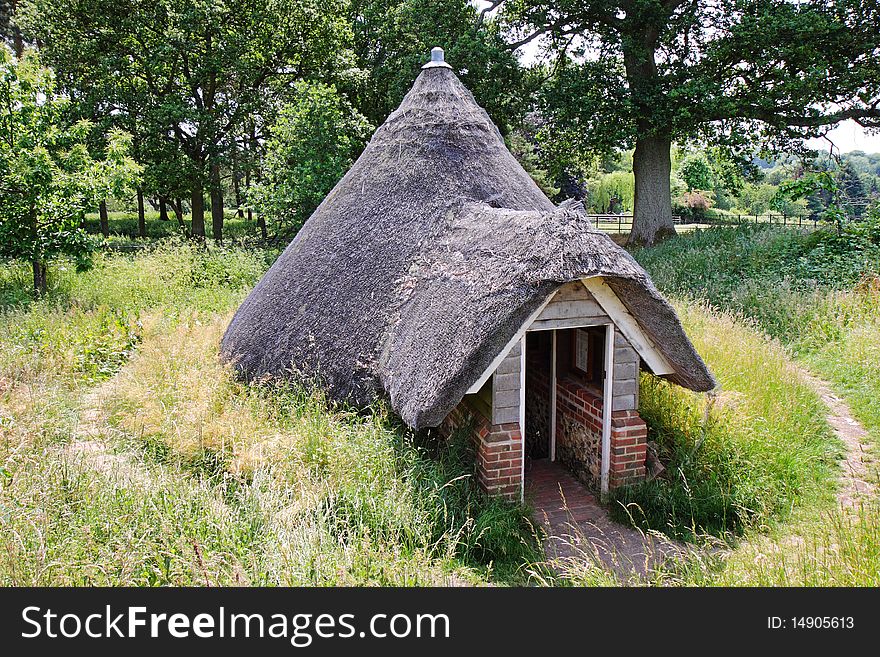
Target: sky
[{"x": 848, "y": 136}]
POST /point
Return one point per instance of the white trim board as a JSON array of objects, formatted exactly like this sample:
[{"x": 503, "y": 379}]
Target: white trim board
[
  {"x": 628, "y": 326},
  {"x": 615, "y": 310},
  {"x": 607, "y": 405}
]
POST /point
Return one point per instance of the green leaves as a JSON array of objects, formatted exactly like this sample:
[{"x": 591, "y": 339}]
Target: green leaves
[
  {"x": 48, "y": 178},
  {"x": 696, "y": 173},
  {"x": 744, "y": 74},
  {"x": 315, "y": 141}
]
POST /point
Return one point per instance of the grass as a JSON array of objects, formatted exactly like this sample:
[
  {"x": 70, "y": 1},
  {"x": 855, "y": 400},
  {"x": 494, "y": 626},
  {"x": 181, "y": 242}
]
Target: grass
[
  {"x": 817, "y": 293},
  {"x": 174, "y": 473},
  {"x": 123, "y": 227},
  {"x": 817, "y": 296},
  {"x": 740, "y": 460},
  {"x": 129, "y": 455}
]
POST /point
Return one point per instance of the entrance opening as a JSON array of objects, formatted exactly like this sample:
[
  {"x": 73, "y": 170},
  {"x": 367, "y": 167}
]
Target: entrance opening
[
  {"x": 564, "y": 373},
  {"x": 538, "y": 394}
]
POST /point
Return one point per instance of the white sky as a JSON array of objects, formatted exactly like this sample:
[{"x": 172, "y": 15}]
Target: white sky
[{"x": 846, "y": 137}]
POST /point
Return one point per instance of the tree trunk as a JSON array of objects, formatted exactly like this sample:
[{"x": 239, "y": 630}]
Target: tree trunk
[
  {"x": 163, "y": 209},
  {"x": 247, "y": 187},
  {"x": 142, "y": 220},
  {"x": 177, "y": 206},
  {"x": 261, "y": 222},
  {"x": 105, "y": 222},
  {"x": 198, "y": 211},
  {"x": 236, "y": 181},
  {"x": 40, "y": 279},
  {"x": 216, "y": 204},
  {"x": 652, "y": 205}
]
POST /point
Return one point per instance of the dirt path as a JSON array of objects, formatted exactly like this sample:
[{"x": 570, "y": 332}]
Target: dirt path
[
  {"x": 90, "y": 446},
  {"x": 855, "y": 484}
]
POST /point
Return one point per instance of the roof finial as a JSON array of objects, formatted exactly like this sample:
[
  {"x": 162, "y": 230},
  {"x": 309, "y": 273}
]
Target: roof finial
[{"x": 436, "y": 59}]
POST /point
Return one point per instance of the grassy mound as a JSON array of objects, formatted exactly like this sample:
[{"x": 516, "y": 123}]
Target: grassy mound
[
  {"x": 741, "y": 460},
  {"x": 174, "y": 473}
]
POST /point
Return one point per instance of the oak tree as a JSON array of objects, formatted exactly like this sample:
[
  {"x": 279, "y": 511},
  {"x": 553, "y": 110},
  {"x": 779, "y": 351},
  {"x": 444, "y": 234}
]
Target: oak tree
[
  {"x": 744, "y": 75},
  {"x": 48, "y": 178}
]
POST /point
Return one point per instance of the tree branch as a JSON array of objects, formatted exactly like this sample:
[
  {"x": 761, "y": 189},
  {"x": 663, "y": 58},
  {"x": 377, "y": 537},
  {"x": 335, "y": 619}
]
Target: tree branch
[
  {"x": 867, "y": 117},
  {"x": 516, "y": 45},
  {"x": 492, "y": 7}
]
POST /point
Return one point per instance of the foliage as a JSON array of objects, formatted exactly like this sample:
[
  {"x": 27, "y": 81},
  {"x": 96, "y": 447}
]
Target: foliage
[
  {"x": 392, "y": 40},
  {"x": 653, "y": 72},
  {"x": 852, "y": 189},
  {"x": 47, "y": 177},
  {"x": 696, "y": 173},
  {"x": 612, "y": 192},
  {"x": 758, "y": 450},
  {"x": 819, "y": 295},
  {"x": 187, "y": 79},
  {"x": 695, "y": 203},
  {"x": 186, "y": 476},
  {"x": 314, "y": 141}
]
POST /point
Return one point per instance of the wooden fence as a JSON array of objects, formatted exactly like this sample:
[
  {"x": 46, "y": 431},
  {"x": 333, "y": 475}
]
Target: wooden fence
[{"x": 622, "y": 223}]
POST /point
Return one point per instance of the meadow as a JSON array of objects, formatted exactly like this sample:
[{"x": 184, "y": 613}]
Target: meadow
[{"x": 130, "y": 455}]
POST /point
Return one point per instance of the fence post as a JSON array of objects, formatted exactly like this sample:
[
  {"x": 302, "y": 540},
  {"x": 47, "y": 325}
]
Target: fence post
[{"x": 619, "y": 220}]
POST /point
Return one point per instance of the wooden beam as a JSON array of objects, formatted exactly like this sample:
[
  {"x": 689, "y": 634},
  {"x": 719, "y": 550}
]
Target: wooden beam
[
  {"x": 607, "y": 403},
  {"x": 628, "y": 326},
  {"x": 553, "y": 396},
  {"x": 567, "y": 322},
  {"x": 522, "y": 416},
  {"x": 475, "y": 387}
]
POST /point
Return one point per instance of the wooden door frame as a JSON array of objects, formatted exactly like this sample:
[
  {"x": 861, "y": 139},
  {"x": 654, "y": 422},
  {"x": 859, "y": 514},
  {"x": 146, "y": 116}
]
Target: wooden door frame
[{"x": 607, "y": 401}]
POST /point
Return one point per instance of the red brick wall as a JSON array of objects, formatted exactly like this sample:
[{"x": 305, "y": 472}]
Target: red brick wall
[
  {"x": 579, "y": 436},
  {"x": 499, "y": 450},
  {"x": 629, "y": 435},
  {"x": 578, "y": 442}
]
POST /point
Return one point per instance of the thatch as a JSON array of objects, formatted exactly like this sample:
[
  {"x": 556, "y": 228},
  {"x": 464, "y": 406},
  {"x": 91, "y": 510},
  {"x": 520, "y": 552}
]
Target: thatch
[{"x": 424, "y": 261}]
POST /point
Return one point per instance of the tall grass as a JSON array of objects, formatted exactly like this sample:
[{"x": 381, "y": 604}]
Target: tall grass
[
  {"x": 817, "y": 293},
  {"x": 743, "y": 459},
  {"x": 173, "y": 472},
  {"x": 123, "y": 226},
  {"x": 129, "y": 455}
]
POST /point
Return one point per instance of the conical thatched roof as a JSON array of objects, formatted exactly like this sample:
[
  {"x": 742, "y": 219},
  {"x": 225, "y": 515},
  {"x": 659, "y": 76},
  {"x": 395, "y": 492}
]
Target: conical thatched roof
[{"x": 425, "y": 260}]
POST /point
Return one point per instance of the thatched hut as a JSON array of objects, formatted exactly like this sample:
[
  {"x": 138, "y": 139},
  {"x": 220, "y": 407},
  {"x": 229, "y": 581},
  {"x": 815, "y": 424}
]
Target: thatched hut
[{"x": 437, "y": 275}]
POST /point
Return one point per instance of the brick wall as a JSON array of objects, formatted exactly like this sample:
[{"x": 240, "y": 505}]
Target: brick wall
[
  {"x": 629, "y": 435},
  {"x": 578, "y": 441},
  {"x": 579, "y": 436},
  {"x": 498, "y": 450}
]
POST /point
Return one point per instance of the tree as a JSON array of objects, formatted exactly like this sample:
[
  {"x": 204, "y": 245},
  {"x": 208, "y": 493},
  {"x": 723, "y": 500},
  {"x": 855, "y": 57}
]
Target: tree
[
  {"x": 186, "y": 78},
  {"x": 744, "y": 75},
  {"x": 391, "y": 39},
  {"x": 9, "y": 30},
  {"x": 48, "y": 179},
  {"x": 696, "y": 173},
  {"x": 315, "y": 140},
  {"x": 854, "y": 196}
]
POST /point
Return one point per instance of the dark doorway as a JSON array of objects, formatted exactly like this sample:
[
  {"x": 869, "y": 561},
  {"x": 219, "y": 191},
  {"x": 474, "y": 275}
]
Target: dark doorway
[{"x": 538, "y": 398}]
